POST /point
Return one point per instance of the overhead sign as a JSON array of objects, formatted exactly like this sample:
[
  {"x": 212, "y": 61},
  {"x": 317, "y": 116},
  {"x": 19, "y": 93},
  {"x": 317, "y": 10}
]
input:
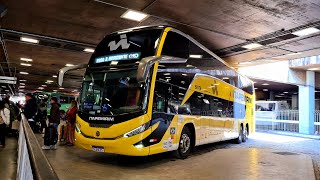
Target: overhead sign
[
  {"x": 118, "y": 57},
  {"x": 8, "y": 78},
  {"x": 7, "y": 81}
]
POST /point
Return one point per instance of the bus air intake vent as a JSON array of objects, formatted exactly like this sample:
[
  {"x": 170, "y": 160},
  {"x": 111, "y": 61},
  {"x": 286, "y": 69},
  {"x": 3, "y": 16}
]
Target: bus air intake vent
[{"x": 100, "y": 125}]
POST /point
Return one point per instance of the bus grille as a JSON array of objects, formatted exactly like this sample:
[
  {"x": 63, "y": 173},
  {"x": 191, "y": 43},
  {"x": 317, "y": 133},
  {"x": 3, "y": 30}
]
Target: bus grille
[{"x": 100, "y": 125}]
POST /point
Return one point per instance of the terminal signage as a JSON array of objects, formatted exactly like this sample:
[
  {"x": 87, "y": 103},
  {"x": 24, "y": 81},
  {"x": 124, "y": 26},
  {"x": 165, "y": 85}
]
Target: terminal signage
[{"x": 118, "y": 57}]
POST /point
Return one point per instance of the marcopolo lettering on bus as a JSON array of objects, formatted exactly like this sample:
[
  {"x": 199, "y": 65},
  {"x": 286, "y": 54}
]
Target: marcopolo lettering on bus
[{"x": 101, "y": 118}]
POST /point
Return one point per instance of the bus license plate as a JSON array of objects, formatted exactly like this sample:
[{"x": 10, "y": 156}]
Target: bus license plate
[{"x": 98, "y": 148}]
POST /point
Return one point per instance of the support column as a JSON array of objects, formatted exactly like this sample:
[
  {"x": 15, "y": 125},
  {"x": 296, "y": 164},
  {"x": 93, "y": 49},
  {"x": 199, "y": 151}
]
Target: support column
[
  {"x": 307, "y": 105},
  {"x": 294, "y": 102},
  {"x": 271, "y": 96}
]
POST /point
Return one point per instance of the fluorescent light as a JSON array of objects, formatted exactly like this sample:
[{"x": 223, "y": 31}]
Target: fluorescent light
[
  {"x": 26, "y": 59},
  {"x": 55, "y": 90},
  {"x": 44, "y": 85},
  {"x": 184, "y": 74},
  {"x": 189, "y": 65},
  {"x": 181, "y": 94},
  {"x": 69, "y": 65},
  {"x": 7, "y": 90},
  {"x": 114, "y": 63},
  {"x": 252, "y": 46},
  {"x": 195, "y": 56},
  {"x": 4, "y": 86},
  {"x": 265, "y": 90},
  {"x": 24, "y": 73},
  {"x": 40, "y": 88},
  {"x": 166, "y": 74},
  {"x": 168, "y": 77},
  {"x": 313, "y": 69},
  {"x": 247, "y": 62},
  {"x": 285, "y": 92},
  {"x": 90, "y": 50},
  {"x": 54, "y": 76},
  {"x": 306, "y": 32},
  {"x": 21, "y": 87},
  {"x": 134, "y": 15},
  {"x": 22, "y": 83},
  {"x": 29, "y": 40},
  {"x": 225, "y": 78},
  {"x": 281, "y": 94},
  {"x": 292, "y": 54},
  {"x": 25, "y": 64},
  {"x": 22, "y": 80},
  {"x": 61, "y": 88},
  {"x": 265, "y": 84},
  {"x": 50, "y": 81}
]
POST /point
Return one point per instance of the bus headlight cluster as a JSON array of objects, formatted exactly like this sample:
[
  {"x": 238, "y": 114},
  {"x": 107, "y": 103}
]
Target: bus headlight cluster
[{"x": 137, "y": 130}]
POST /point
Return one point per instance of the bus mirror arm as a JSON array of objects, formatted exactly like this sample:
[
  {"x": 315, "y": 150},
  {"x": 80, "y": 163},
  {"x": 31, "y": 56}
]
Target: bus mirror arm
[
  {"x": 144, "y": 68},
  {"x": 62, "y": 71}
]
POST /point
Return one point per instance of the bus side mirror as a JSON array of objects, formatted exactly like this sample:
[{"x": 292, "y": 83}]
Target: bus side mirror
[
  {"x": 144, "y": 68},
  {"x": 62, "y": 71}
]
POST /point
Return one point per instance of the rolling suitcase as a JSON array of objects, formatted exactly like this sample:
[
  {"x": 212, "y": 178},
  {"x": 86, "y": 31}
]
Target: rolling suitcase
[{"x": 50, "y": 136}]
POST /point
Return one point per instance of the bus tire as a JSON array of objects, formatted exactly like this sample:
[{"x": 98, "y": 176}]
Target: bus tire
[
  {"x": 245, "y": 134},
  {"x": 184, "y": 146},
  {"x": 240, "y": 137}
]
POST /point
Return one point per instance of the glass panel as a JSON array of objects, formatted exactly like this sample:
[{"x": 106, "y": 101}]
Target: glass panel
[{"x": 112, "y": 93}]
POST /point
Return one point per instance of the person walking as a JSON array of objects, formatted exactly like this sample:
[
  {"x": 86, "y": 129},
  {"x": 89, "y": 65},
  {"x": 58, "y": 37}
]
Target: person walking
[
  {"x": 54, "y": 120},
  {"x": 4, "y": 123},
  {"x": 71, "y": 118}
]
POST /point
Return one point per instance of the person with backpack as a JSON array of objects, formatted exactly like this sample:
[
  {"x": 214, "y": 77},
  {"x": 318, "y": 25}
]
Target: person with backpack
[
  {"x": 4, "y": 123},
  {"x": 51, "y": 135}
]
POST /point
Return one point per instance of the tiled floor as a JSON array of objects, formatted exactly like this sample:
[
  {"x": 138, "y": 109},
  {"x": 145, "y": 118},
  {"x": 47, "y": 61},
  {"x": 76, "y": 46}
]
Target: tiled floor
[{"x": 8, "y": 159}]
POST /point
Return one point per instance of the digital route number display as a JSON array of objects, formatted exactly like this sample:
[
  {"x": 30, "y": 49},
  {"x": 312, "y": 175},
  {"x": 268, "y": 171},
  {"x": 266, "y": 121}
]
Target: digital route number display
[{"x": 118, "y": 57}]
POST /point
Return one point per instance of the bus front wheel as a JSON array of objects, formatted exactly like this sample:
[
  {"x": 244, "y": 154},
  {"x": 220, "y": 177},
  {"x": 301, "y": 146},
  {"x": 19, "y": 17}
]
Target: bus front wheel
[{"x": 184, "y": 148}]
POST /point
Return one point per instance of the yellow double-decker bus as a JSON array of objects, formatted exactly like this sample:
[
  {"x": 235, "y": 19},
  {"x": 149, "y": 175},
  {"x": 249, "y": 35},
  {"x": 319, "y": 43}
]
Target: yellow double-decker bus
[{"x": 150, "y": 90}]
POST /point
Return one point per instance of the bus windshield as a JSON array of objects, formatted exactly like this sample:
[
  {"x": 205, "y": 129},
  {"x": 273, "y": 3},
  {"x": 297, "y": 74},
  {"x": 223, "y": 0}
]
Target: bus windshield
[{"x": 112, "y": 93}]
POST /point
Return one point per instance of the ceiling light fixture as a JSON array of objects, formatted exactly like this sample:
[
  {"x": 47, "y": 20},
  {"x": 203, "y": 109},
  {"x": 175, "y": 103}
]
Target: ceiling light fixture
[
  {"x": 225, "y": 78},
  {"x": 29, "y": 40},
  {"x": 166, "y": 74},
  {"x": 40, "y": 88},
  {"x": 25, "y": 64},
  {"x": 22, "y": 84},
  {"x": 265, "y": 84},
  {"x": 90, "y": 50},
  {"x": 252, "y": 46},
  {"x": 26, "y": 59},
  {"x": 184, "y": 74},
  {"x": 306, "y": 32},
  {"x": 49, "y": 81},
  {"x": 22, "y": 80},
  {"x": 195, "y": 56},
  {"x": 265, "y": 90},
  {"x": 134, "y": 15},
  {"x": 113, "y": 63},
  {"x": 61, "y": 88},
  {"x": 313, "y": 69},
  {"x": 285, "y": 92},
  {"x": 24, "y": 73},
  {"x": 69, "y": 65},
  {"x": 44, "y": 85},
  {"x": 21, "y": 87}
]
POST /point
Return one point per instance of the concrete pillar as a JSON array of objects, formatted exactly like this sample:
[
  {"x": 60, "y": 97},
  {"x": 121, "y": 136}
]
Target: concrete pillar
[
  {"x": 271, "y": 96},
  {"x": 307, "y": 105},
  {"x": 294, "y": 102}
]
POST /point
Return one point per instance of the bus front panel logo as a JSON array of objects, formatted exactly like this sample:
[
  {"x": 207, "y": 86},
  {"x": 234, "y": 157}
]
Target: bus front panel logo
[{"x": 123, "y": 43}]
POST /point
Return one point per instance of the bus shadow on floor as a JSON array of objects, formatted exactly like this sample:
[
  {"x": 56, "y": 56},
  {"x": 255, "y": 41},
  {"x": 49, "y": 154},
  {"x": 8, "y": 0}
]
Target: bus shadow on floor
[{"x": 157, "y": 159}]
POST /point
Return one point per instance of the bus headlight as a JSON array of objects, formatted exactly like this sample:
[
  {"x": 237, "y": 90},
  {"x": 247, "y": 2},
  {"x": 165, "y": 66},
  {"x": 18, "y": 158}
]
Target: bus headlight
[{"x": 137, "y": 130}]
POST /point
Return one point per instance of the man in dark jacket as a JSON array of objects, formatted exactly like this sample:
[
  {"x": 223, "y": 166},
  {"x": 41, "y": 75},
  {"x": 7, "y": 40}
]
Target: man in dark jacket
[
  {"x": 30, "y": 110},
  {"x": 54, "y": 120}
]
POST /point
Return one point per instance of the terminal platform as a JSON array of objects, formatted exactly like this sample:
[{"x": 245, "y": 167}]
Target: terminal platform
[{"x": 234, "y": 163}]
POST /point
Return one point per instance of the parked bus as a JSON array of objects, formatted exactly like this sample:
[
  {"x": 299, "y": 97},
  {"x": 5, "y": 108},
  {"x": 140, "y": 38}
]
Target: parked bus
[{"x": 155, "y": 89}]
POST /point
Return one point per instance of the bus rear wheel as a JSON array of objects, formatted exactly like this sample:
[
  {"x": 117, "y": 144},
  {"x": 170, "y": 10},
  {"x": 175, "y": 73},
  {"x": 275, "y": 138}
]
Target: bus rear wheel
[
  {"x": 240, "y": 137},
  {"x": 184, "y": 148}
]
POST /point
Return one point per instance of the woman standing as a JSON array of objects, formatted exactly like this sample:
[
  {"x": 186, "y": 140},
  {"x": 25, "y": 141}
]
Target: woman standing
[
  {"x": 71, "y": 118},
  {"x": 4, "y": 122}
]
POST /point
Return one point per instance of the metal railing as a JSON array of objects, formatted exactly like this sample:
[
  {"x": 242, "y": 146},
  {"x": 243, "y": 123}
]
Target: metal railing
[
  {"x": 287, "y": 120},
  {"x": 32, "y": 163}
]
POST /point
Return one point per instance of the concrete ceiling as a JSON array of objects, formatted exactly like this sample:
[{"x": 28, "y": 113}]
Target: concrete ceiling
[{"x": 222, "y": 26}]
